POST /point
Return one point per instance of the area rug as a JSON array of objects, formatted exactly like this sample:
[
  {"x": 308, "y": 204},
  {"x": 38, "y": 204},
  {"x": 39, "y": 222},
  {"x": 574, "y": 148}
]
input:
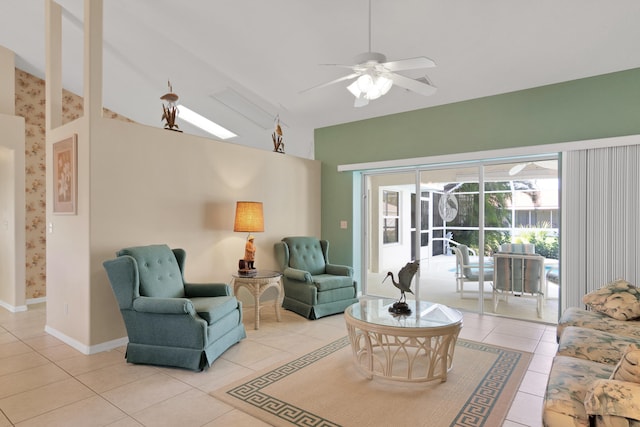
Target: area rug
[{"x": 324, "y": 388}]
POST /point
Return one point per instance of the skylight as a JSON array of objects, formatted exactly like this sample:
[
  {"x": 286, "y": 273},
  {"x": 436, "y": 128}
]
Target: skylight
[{"x": 203, "y": 123}]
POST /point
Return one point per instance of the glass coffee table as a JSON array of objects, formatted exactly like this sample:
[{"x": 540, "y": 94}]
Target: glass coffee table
[{"x": 413, "y": 348}]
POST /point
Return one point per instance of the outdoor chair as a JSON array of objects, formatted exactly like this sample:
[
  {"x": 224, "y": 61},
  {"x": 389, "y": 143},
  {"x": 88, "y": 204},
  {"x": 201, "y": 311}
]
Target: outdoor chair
[
  {"x": 520, "y": 275},
  {"x": 468, "y": 268}
]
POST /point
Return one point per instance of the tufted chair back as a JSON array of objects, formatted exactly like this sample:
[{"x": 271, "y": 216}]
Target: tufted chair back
[
  {"x": 159, "y": 271},
  {"x": 307, "y": 253}
]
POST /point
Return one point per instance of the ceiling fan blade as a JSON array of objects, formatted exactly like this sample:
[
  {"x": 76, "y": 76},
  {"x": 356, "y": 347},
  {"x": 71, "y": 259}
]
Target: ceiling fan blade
[
  {"x": 419, "y": 87},
  {"x": 338, "y": 80},
  {"x": 517, "y": 168},
  {"x": 409, "y": 64},
  {"x": 338, "y": 65},
  {"x": 547, "y": 164}
]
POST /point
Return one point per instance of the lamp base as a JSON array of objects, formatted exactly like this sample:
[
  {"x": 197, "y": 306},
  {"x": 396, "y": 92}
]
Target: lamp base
[{"x": 245, "y": 270}]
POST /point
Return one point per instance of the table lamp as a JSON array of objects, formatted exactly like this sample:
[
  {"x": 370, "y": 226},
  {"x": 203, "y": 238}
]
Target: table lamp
[{"x": 249, "y": 219}]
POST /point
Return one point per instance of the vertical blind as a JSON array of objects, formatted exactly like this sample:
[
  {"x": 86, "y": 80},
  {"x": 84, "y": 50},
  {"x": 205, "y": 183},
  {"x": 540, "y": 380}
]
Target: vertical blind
[{"x": 601, "y": 227}]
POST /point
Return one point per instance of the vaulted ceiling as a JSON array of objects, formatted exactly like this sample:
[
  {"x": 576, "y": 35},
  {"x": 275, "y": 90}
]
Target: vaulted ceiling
[{"x": 242, "y": 62}]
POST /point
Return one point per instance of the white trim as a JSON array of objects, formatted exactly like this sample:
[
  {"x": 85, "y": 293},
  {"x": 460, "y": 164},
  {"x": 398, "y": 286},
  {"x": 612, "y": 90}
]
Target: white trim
[
  {"x": 84, "y": 349},
  {"x": 31, "y": 301},
  {"x": 13, "y": 308},
  {"x": 498, "y": 153}
]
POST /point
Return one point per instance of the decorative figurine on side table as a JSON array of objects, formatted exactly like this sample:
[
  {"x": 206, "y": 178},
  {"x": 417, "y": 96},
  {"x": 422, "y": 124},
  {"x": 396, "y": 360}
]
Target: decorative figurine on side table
[{"x": 405, "y": 276}]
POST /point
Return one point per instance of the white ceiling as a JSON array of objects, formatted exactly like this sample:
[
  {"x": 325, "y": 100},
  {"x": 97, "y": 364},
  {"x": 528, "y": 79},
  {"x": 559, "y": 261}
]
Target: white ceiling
[{"x": 267, "y": 52}]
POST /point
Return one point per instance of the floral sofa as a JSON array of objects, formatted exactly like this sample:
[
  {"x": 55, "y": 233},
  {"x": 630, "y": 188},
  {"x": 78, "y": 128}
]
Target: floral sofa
[{"x": 595, "y": 375}]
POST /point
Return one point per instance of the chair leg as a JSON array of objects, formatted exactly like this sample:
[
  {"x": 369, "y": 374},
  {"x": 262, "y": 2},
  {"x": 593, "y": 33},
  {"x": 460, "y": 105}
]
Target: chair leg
[{"x": 540, "y": 305}]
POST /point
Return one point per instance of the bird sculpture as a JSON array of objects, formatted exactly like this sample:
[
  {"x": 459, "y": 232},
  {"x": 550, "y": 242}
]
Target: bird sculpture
[{"x": 405, "y": 276}]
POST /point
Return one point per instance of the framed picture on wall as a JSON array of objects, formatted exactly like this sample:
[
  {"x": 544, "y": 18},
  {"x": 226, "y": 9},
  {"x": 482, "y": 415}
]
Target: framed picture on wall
[{"x": 65, "y": 176}]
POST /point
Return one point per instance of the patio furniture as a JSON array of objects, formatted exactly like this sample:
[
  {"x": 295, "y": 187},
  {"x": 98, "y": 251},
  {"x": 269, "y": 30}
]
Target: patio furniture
[
  {"x": 468, "y": 268},
  {"x": 520, "y": 275}
]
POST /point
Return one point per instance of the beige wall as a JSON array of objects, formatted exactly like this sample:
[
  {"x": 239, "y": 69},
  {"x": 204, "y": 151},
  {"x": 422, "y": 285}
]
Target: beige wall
[
  {"x": 12, "y": 191},
  {"x": 12, "y": 217},
  {"x": 30, "y": 104},
  {"x": 139, "y": 185}
]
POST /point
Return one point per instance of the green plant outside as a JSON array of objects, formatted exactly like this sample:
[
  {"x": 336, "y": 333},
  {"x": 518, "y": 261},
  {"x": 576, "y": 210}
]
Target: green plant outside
[
  {"x": 497, "y": 215},
  {"x": 546, "y": 244}
]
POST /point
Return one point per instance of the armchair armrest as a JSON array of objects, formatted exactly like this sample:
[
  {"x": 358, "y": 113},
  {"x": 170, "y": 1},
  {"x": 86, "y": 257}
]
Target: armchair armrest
[
  {"x": 163, "y": 305},
  {"x": 339, "y": 270},
  {"x": 295, "y": 274},
  {"x": 207, "y": 289},
  {"x": 613, "y": 398}
]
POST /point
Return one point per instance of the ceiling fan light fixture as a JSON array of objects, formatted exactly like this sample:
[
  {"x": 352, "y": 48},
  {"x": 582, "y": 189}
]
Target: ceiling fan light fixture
[
  {"x": 354, "y": 89},
  {"x": 383, "y": 84},
  {"x": 373, "y": 93},
  {"x": 365, "y": 83},
  {"x": 370, "y": 87}
]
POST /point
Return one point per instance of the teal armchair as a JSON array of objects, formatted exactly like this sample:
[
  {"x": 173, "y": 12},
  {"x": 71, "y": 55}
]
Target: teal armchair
[
  {"x": 313, "y": 287},
  {"x": 170, "y": 322}
]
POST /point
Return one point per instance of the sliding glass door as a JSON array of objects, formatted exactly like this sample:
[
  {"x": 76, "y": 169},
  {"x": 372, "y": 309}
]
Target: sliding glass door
[
  {"x": 390, "y": 210},
  {"x": 433, "y": 214}
]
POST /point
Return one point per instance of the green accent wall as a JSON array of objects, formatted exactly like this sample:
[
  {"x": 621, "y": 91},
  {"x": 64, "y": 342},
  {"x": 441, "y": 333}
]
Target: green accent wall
[{"x": 596, "y": 107}]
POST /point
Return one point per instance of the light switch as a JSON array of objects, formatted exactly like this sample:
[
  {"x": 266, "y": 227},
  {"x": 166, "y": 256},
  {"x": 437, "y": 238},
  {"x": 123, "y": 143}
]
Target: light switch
[
  {"x": 50, "y": 227},
  {"x": 343, "y": 225}
]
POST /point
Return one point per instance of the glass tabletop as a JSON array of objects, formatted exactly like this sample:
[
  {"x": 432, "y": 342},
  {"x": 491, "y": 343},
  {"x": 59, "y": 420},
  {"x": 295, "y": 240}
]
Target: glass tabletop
[
  {"x": 424, "y": 314},
  {"x": 260, "y": 274}
]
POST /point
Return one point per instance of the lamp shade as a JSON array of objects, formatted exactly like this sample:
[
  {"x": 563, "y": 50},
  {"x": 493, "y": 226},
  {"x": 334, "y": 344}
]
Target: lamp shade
[{"x": 249, "y": 217}]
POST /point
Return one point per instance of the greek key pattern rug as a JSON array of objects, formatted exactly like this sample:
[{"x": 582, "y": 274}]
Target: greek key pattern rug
[{"x": 323, "y": 388}]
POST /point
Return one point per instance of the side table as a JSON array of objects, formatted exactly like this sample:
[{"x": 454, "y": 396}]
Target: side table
[{"x": 257, "y": 285}]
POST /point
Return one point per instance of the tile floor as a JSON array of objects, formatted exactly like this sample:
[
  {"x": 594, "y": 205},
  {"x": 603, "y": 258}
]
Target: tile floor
[{"x": 44, "y": 382}]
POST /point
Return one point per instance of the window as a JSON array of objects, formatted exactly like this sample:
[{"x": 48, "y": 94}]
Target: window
[{"x": 390, "y": 216}]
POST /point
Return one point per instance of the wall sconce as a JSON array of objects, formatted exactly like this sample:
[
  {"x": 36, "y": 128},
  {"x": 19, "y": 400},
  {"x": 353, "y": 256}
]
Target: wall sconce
[{"x": 249, "y": 219}]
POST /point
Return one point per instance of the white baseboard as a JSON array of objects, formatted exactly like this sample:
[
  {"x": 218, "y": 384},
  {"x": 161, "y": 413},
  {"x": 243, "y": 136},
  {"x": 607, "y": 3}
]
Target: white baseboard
[
  {"x": 13, "y": 308},
  {"x": 31, "y": 301},
  {"x": 85, "y": 349}
]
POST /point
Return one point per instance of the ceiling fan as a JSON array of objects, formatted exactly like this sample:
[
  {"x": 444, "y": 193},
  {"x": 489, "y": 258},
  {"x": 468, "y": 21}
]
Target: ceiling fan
[
  {"x": 374, "y": 75},
  {"x": 547, "y": 164}
]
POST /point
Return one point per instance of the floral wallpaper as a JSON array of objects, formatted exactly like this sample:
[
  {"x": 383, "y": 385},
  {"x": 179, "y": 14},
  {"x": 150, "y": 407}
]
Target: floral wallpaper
[{"x": 30, "y": 104}]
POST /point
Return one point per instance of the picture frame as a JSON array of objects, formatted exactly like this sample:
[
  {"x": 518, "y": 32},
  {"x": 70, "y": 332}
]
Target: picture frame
[{"x": 65, "y": 176}]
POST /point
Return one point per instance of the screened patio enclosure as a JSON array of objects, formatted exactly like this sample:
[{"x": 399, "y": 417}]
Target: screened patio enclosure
[{"x": 422, "y": 213}]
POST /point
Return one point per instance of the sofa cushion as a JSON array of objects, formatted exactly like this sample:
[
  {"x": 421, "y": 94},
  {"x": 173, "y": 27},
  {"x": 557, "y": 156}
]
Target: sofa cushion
[
  {"x": 567, "y": 388},
  {"x": 628, "y": 369},
  {"x": 213, "y": 309},
  {"x": 618, "y": 299},
  {"x": 326, "y": 282},
  {"x": 574, "y": 316},
  {"x": 592, "y": 344}
]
